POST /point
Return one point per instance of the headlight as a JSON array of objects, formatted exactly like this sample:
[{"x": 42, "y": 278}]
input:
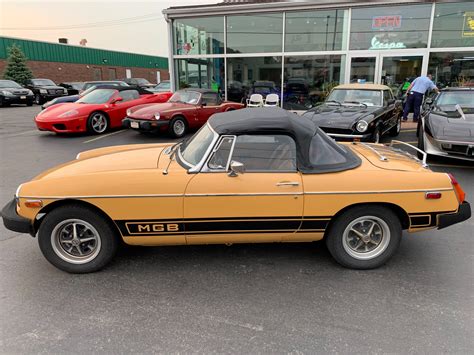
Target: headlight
[
  {"x": 129, "y": 112},
  {"x": 43, "y": 91},
  {"x": 157, "y": 116},
  {"x": 7, "y": 93},
  {"x": 362, "y": 126},
  {"x": 69, "y": 113}
]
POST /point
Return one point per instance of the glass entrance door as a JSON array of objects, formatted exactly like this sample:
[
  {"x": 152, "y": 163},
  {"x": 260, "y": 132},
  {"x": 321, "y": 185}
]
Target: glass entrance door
[
  {"x": 398, "y": 72},
  {"x": 362, "y": 69}
]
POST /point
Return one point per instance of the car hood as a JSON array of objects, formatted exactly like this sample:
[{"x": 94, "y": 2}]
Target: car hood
[
  {"x": 19, "y": 91},
  {"x": 338, "y": 116},
  {"x": 108, "y": 159},
  {"x": 148, "y": 111},
  {"x": 49, "y": 87},
  {"x": 447, "y": 124},
  {"x": 54, "y": 111}
]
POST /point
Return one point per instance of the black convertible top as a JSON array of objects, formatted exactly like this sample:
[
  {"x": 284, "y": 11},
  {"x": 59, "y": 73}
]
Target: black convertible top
[
  {"x": 273, "y": 120},
  {"x": 141, "y": 91}
]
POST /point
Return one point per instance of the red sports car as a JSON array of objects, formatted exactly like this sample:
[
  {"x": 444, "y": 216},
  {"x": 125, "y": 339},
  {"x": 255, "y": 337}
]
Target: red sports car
[
  {"x": 186, "y": 109},
  {"x": 97, "y": 111}
]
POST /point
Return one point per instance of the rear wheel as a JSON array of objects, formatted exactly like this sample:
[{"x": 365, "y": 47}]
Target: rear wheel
[
  {"x": 364, "y": 237},
  {"x": 177, "y": 127},
  {"x": 97, "y": 123},
  {"x": 76, "y": 239}
]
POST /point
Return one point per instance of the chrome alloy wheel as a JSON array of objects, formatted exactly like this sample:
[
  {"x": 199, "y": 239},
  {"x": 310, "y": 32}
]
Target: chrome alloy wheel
[
  {"x": 178, "y": 128},
  {"x": 399, "y": 125},
  {"x": 98, "y": 122},
  {"x": 75, "y": 241},
  {"x": 366, "y": 237}
]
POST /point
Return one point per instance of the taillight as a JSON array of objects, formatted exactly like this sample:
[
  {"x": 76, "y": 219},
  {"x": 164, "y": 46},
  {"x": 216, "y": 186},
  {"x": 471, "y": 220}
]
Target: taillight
[{"x": 459, "y": 191}]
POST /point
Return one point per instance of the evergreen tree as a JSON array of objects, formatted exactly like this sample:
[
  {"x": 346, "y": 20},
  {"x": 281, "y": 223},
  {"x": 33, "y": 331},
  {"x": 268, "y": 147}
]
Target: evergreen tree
[{"x": 16, "y": 68}]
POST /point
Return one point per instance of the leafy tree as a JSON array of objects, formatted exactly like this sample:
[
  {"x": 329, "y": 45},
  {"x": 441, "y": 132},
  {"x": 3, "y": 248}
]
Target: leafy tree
[{"x": 17, "y": 69}]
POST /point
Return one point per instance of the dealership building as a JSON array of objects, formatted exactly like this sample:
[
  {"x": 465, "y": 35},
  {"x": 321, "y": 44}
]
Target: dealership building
[
  {"x": 63, "y": 62},
  {"x": 302, "y": 49}
]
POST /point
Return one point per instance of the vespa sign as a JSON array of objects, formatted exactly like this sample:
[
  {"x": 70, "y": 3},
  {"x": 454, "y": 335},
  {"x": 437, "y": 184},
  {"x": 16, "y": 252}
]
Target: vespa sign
[{"x": 376, "y": 44}]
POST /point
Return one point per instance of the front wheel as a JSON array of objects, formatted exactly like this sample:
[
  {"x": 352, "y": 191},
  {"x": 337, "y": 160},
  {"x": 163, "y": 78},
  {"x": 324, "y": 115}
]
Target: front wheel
[
  {"x": 364, "y": 237},
  {"x": 376, "y": 135},
  {"x": 38, "y": 99},
  {"x": 76, "y": 239},
  {"x": 177, "y": 127},
  {"x": 97, "y": 123},
  {"x": 421, "y": 141}
]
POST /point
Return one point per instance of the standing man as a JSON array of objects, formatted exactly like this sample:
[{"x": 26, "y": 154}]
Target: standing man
[{"x": 415, "y": 92}]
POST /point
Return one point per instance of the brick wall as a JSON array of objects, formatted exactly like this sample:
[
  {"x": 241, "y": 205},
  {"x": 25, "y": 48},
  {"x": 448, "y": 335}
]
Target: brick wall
[{"x": 62, "y": 72}]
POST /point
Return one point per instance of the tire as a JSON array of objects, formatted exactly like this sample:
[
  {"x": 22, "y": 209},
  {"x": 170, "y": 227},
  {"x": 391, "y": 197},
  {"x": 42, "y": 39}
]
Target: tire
[
  {"x": 55, "y": 236},
  {"x": 395, "y": 130},
  {"x": 97, "y": 123},
  {"x": 177, "y": 127},
  {"x": 30, "y": 103},
  {"x": 376, "y": 135},
  {"x": 38, "y": 99},
  {"x": 364, "y": 252}
]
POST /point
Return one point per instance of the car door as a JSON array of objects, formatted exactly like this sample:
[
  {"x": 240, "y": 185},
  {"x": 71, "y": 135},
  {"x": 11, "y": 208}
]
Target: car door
[
  {"x": 263, "y": 204},
  {"x": 209, "y": 105},
  {"x": 118, "y": 110}
]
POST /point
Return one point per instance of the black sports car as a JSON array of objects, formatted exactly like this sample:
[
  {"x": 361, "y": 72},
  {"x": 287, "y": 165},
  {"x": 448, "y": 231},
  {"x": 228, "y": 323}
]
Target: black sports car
[
  {"x": 446, "y": 127},
  {"x": 362, "y": 111},
  {"x": 13, "y": 93}
]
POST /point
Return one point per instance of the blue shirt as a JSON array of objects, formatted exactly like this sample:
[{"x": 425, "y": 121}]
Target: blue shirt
[{"x": 422, "y": 84}]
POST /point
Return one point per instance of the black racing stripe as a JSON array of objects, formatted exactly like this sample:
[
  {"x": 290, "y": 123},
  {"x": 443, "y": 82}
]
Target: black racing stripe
[
  {"x": 288, "y": 225},
  {"x": 314, "y": 224}
]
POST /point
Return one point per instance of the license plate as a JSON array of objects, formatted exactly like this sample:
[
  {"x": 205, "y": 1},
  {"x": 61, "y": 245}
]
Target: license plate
[
  {"x": 23, "y": 97},
  {"x": 134, "y": 125}
]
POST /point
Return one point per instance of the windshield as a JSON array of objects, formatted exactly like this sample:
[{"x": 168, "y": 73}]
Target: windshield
[
  {"x": 9, "y": 84},
  {"x": 187, "y": 97},
  {"x": 85, "y": 92},
  {"x": 43, "y": 82},
  {"x": 77, "y": 86},
  {"x": 99, "y": 96},
  {"x": 164, "y": 86},
  {"x": 462, "y": 98},
  {"x": 197, "y": 146},
  {"x": 355, "y": 96}
]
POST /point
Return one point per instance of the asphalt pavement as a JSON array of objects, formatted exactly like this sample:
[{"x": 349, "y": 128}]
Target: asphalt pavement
[{"x": 269, "y": 298}]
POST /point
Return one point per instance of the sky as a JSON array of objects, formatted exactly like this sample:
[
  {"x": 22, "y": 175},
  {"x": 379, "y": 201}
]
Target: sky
[{"x": 130, "y": 26}]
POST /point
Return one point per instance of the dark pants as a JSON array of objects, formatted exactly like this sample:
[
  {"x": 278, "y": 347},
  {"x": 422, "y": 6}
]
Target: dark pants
[{"x": 414, "y": 101}]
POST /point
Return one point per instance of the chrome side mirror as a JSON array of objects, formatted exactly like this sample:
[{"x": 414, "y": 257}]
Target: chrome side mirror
[{"x": 236, "y": 168}]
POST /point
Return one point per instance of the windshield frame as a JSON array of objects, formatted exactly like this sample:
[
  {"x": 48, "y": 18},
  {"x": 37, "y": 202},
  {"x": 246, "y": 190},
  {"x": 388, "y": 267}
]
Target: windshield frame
[
  {"x": 193, "y": 169},
  {"x": 346, "y": 103},
  {"x": 115, "y": 92},
  {"x": 187, "y": 103}
]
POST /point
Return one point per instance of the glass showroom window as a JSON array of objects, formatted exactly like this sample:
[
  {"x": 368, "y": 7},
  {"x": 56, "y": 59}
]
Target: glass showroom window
[
  {"x": 200, "y": 73},
  {"x": 452, "y": 69},
  {"x": 453, "y": 25},
  {"x": 204, "y": 35},
  {"x": 246, "y": 76},
  {"x": 315, "y": 30},
  {"x": 390, "y": 27},
  {"x": 309, "y": 79},
  {"x": 254, "y": 34}
]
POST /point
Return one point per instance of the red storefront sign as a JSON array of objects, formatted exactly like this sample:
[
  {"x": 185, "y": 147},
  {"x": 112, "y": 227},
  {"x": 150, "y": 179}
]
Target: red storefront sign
[{"x": 386, "y": 22}]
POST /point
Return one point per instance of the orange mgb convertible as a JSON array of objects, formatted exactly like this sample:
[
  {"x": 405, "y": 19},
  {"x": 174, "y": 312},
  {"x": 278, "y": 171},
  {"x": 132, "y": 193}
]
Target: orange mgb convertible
[{"x": 247, "y": 176}]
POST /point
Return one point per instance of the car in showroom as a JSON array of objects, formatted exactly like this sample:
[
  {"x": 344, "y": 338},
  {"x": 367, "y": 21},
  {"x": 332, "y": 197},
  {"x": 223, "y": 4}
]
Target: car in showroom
[
  {"x": 186, "y": 109},
  {"x": 45, "y": 90},
  {"x": 13, "y": 93},
  {"x": 96, "y": 112},
  {"x": 248, "y": 176},
  {"x": 72, "y": 87},
  {"x": 446, "y": 127},
  {"x": 359, "y": 111}
]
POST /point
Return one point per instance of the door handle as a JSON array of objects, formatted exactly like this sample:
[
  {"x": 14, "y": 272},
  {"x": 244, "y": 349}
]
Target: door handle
[{"x": 287, "y": 183}]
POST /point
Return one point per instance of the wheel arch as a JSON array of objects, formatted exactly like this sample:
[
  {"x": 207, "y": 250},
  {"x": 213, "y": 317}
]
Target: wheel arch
[
  {"x": 69, "y": 202},
  {"x": 399, "y": 212},
  {"x": 103, "y": 112}
]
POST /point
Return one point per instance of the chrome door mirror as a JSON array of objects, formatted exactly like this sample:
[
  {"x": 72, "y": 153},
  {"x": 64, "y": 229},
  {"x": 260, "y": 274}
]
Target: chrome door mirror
[{"x": 236, "y": 168}]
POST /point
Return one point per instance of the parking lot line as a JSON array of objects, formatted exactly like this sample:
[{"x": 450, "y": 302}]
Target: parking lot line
[
  {"x": 408, "y": 130},
  {"x": 104, "y": 136}
]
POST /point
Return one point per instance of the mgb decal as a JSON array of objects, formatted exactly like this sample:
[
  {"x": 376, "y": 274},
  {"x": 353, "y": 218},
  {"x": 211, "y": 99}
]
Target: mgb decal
[{"x": 137, "y": 228}]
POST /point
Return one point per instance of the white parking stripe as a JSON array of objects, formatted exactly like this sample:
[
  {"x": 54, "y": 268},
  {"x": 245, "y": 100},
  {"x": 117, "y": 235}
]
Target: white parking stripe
[
  {"x": 103, "y": 136},
  {"x": 408, "y": 130}
]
